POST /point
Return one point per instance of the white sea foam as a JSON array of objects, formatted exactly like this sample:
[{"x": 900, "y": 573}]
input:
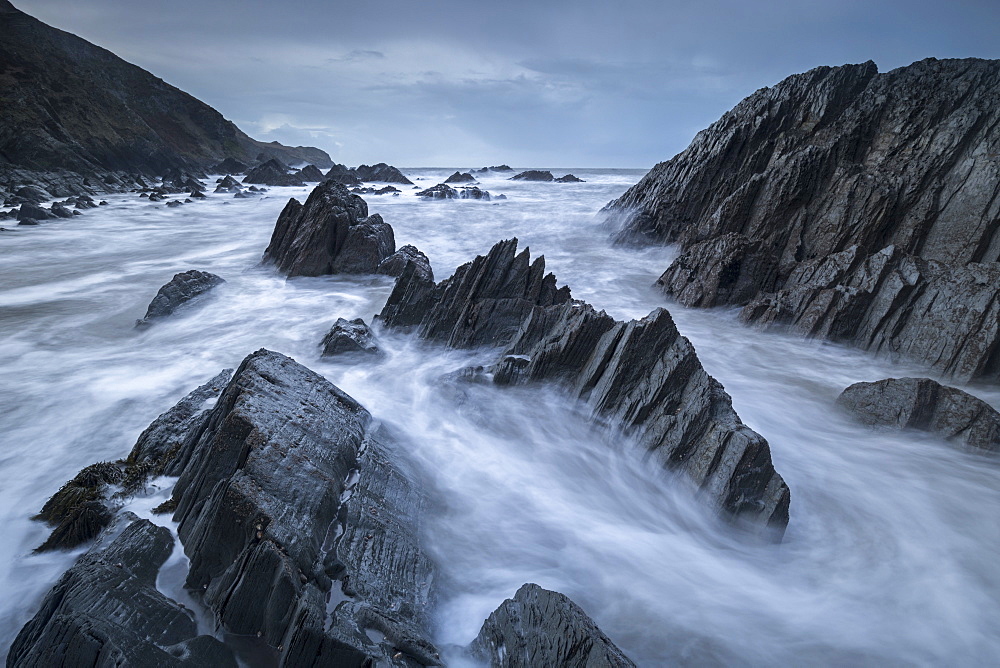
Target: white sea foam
[{"x": 890, "y": 555}]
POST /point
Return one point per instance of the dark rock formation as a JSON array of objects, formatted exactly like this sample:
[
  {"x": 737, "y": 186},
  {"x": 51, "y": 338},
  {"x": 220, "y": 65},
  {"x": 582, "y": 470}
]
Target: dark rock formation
[
  {"x": 926, "y": 405},
  {"x": 229, "y": 166},
  {"x": 33, "y": 212},
  {"x": 533, "y": 175},
  {"x": 82, "y": 110},
  {"x": 381, "y": 172},
  {"x": 396, "y": 264},
  {"x": 229, "y": 185},
  {"x": 330, "y": 234},
  {"x": 846, "y": 204},
  {"x": 181, "y": 289},
  {"x": 311, "y": 174},
  {"x": 444, "y": 191},
  {"x": 60, "y": 211},
  {"x": 460, "y": 177},
  {"x": 106, "y": 611},
  {"x": 569, "y": 178},
  {"x": 341, "y": 174},
  {"x": 640, "y": 376},
  {"x": 370, "y": 190},
  {"x": 272, "y": 173},
  {"x": 473, "y": 192},
  {"x": 539, "y": 627},
  {"x": 32, "y": 194},
  {"x": 350, "y": 336}
]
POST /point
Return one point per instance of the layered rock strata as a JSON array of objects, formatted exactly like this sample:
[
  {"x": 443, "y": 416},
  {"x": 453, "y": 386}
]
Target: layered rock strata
[
  {"x": 846, "y": 204},
  {"x": 331, "y": 233},
  {"x": 925, "y": 405},
  {"x": 538, "y": 627},
  {"x": 640, "y": 376},
  {"x": 348, "y": 337},
  {"x": 180, "y": 290}
]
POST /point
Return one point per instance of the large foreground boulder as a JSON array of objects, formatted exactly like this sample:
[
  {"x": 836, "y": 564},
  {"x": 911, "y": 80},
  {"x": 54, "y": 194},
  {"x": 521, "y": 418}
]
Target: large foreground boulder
[
  {"x": 330, "y": 234},
  {"x": 845, "y": 204},
  {"x": 925, "y": 405},
  {"x": 539, "y": 627},
  {"x": 180, "y": 290},
  {"x": 106, "y": 611},
  {"x": 641, "y": 376}
]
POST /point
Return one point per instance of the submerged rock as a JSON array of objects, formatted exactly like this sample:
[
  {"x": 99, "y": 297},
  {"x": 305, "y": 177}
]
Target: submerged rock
[
  {"x": 539, "y": 627},
  {"x": 925, "y": 405},
  {"x": 181, "y": 289},
  {"x": 350, "y": 336},
  {"x": 106, "y": 611},
  {"x": 533, "y": 175},
  {"x": 272, "y": 173},
  {"x": 330, "y": 234},
  {"x": 460, "y": 177},
  {"x": 229, "y": 185},
  {"x": 640, "y": 376},
  {"x": 396, "y": 264},
  {"x": 822, "y": 205},
  {"x": 569, "y": 178}
]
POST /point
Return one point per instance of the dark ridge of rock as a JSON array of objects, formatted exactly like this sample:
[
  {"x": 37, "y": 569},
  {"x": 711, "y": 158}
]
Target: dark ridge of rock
[
  {"x": 310, "y": 174},
  {"x": 198, "y": 194},
  {"x": 440, "y": 191},
  {"x": 640, "y": 376},
  {"x": 925, "y": 405},
  {"x": 60, "y": 211},
  {"x": 836, "y": 202},
  {"x": 533, "y": 175},
  {"x": 229, "y": 166},
  {"x": 381, "y": 172},
  {"x": 33, "y": 212},
  {"x": 343, "y": 175},
  {"x": 395, "y": 264},
  {"x": 242, "y": 195},
  {"x": 349, "y": 337},
  {"x": 473, "y": 192},
  {"x": 569, "y": 178},
  {"x": 501, "y": 168},
  {"x": 32, "y": 194},
  {"x": 539, "y": 627},
  {"x": 229, "y": 185},
  {"x": 106, "y": 611},
  {"x": 80, "y": 109},
  {"x": 370, "y": 190},
  {"x": 181, "y": 289},
  {"x": 27, "y": 221},
  {"x": 301, "y": 524},
  {"x": 272, "y": 173},
  {"x": 460, "y": 177}
]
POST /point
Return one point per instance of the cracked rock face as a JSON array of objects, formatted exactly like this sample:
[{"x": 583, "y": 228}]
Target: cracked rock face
[
  {"x": 538, "y": 627},
  {"x": 844, "y": 203},
  {"x": 925, "y": 405},
  {"x": 642, "y": 376}
]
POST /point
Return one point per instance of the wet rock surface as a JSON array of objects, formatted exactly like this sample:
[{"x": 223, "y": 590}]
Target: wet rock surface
[
  {"x": 640, "y": 376},
  {"x": 925, "y": 405},
  {"x": 396, "y": 264},
  {"x": 180, "y": 290},
  {"x": 107, "y": 611},
  {"x": 331, "y": 233},
  {"x": 538, "y": 627},
  {"x": 444, "y": 191},
  {"x": 381, "y": 172},
  {"x": 844, "y": 203},
  {"x": 272, "y": 173},
  {"x": 310, "y": 174},
  {"x": 460, "y": 177},
  {"x": 350, "y": 337}
]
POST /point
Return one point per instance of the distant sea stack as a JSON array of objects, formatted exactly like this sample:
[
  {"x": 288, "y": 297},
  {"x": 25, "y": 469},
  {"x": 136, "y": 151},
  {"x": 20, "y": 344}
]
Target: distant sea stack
[
  {"x": 848, "y": 205},
  {"x": 75, "y": 109}
]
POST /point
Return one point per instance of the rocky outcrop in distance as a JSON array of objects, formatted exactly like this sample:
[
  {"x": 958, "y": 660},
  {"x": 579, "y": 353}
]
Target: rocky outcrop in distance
[
  {"x": 229, "y": 166},
  {"x": 925, "y": 405},
  {"x": 380, "y": 172},
  {"x": 272, "y": 173},
  {"x": 533, "y": 175},
  {"x": 310, "y": 174},
  {"x": 569, "y": 178},
  {"x": 460, "y": 177},
  {"x": 640, "y": 376},
  {"x": 494, "y": 168},
  {"x": 331, "y": 233},
  {"x": 845, "y": 204},
  {"x": 444, "y": 191},
  {"x": 180, "y": 290},
  {"x": 86, "y": 121},
  {"x": 538, "y": 627}
]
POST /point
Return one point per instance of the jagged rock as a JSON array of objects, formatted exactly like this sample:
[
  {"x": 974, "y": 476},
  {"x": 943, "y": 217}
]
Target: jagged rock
[
  {"x": 926, "y": 405},
  {"x": 177, "y": 202},
  {"x": 569, "y": 178},
  {"x": 311, "y": 174},
  {"x": 395, "y": 264},
  {"x": 32, "y": 194},
  {"x": 501, "y": 168},
  {"x": 460, "y": 177},
  {"x": 181, "y": 289},
  {"x": 301, "y": 523},
  {"x": 331, "y": 233},
  {"x": 640, "y": 376},
  {"x": 27, "y": 221},
  {"x": 272, "y": 173},
  {"x": 381, "y": 172},
  {"x": 539, "y": 627},
  {"x": 197, "y": 194},
  {"x": 242, "y": 195},
  {"x": 533, "y": 175},
  {"x": 30, "y": 211},
  {"x": 370, "y": 190},
  {"x": 229, "y": 166},
  {"x": 341, "y": 174},
  {"x": 350, "y": 336},
  {"x": 440, "y": 191},
  {"x": 838, "y": 202},
  {"x": 106, "y": 611}
]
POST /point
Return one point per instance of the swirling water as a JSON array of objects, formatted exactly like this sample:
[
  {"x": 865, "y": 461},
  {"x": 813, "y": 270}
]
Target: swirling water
[{"x": 889, "y": 558}]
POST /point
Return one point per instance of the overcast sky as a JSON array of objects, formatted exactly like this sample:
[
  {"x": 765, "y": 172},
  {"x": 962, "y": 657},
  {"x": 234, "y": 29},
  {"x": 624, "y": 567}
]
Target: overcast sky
[{"x": 578, "y": 83}]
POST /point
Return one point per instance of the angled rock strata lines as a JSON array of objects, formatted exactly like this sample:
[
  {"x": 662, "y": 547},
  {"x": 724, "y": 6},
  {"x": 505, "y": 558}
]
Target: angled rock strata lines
[
  {"x": 845, "y": 204},
  {"x": 181, "y": 289},
  {"x": 641, "y": 376}
]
